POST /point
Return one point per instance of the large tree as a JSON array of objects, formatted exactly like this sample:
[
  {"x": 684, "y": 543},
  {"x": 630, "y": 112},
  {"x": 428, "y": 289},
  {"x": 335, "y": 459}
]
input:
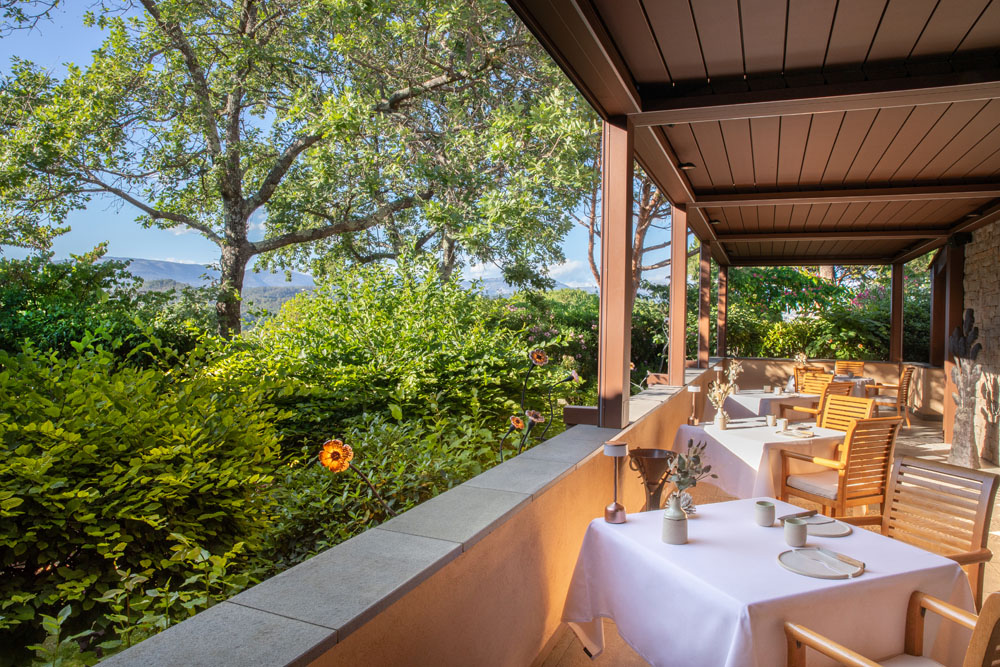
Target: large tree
[{"x": 350, "y": 130}]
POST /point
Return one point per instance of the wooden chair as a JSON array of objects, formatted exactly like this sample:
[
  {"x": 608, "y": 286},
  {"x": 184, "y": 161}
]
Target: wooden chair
[
  {"x": 840, "y": 411},
  {"x": 900, "y": 401},
  {"x": 983, "y": 648},
  {"x": 800, "y": 372},
  {"x": 858, "y": 475},
  {"x": 844, "y": 367},
  {"x": 942, "y": 508},
  {"x": 824, "y": 389}
]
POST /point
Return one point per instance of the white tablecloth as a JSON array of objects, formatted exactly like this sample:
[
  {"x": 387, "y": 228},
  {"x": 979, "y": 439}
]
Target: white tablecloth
[
  {"x": 721, "y": 599},
  {"x": 746, "y": 455},
  {"x": 757, "y": 403},
  {"x": 857, "y": 390}
]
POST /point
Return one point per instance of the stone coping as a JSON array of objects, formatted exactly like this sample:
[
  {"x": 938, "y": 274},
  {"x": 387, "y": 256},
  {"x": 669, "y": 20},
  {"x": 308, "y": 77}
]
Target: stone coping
[{"x": 296, "y": 616}]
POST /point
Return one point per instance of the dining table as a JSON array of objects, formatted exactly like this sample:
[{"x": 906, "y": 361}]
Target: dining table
[
  {"x": 859, "y": 382},
  {"x": 760, "y": 403},
  {"x": 746, "y": 455},
  {"x": 722, "y": 598}
]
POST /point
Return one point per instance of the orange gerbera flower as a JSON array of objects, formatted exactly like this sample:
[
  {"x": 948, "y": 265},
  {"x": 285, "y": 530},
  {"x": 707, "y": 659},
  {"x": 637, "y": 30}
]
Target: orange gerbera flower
[
  {"x": 517, "y": 422},
  {"x": 336, "y": 456},
  {"x": 631, "y": 366},
  {"x": 538, "y": 357},
  {"x": 535, "y": 416}
]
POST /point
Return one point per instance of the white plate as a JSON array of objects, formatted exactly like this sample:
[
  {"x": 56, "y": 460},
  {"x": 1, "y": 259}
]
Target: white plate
[
  {"x": 801, "y": 434},
  {"x": 814, "y": 563},
  {"x": 824, "y": 526}
]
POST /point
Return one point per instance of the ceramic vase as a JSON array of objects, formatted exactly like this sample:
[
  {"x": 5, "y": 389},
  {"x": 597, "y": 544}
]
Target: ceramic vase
[
  {"x": 675, "y": 522},
  {"x": 721, "y": 421}
]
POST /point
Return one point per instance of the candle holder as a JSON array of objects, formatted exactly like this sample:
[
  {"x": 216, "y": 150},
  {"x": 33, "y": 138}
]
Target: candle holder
[{"x": 615, "y": 512}]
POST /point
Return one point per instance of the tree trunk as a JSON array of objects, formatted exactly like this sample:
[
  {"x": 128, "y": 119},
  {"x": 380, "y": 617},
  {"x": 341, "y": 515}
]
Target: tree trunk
[
  {"x": 449, "y": 256},
  {"x": 826, "y": 272},
  {"x": 233, "y": 266}
]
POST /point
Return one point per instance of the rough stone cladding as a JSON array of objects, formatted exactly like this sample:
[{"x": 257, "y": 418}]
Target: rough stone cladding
[{"x": 982, "y": 294}]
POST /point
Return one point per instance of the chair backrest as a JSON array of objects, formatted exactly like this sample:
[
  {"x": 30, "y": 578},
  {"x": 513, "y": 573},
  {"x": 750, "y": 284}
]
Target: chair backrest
[
  {"x": 902, "y": 396},
  {"x": 835, "y": 389},
  {"x": 815, "y": 383},
  {"x": 800, "y": 372},
  {"x": 867, "y": 455},
  {"x": 840, "y": 411},
  {"x": 844, "y": 367},
  {"x": 984, "y": 647},
  {"x": 941, "y": 508}
]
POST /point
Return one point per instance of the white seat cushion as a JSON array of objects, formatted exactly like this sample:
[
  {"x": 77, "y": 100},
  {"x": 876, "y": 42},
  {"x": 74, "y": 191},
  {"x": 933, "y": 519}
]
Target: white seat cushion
[
  {"x": 910, "y": 661},
  {"x": 891, "y": 400},
  {"x": 822, "y": 484}
]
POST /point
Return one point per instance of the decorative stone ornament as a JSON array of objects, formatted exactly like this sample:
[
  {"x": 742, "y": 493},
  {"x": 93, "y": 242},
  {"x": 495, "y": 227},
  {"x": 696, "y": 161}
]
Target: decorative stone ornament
[{"x": 965, "y": 374}]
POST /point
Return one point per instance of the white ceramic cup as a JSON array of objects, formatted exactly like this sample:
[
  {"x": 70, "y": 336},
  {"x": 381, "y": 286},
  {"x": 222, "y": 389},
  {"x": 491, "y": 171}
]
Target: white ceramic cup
[
  {"x": 771, "y": 420},
  {"x": 778, "y": 390},
  {"x": 783, "y": 423},
  {"x": 795, "y": 532},
  {"x": 764, "y": 513},
  {"x": 767, "y": 389}
]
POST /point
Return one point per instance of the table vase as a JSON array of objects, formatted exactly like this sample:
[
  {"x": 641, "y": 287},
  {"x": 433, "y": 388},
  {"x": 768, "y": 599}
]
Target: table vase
[
  {"x": 675, "y": 522},
  {"x": 721, "y": 420}
]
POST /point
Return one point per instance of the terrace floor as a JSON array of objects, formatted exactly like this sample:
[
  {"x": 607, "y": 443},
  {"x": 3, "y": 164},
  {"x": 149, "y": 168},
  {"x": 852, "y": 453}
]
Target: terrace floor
[{"x": 922, "y": 439}]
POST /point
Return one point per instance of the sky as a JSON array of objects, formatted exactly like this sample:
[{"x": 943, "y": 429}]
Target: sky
[{"x": 64, "y": 39}]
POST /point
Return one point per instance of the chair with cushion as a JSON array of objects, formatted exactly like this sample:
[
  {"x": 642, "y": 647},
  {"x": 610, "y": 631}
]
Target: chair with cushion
[
  {"x": 849, "y": 368},
  {"x": 899, "y": 402},
  {"x": 824, "y": 389},
  {"x": 983, "y": 649},
  {"x": 941, "y": 508},
  {"x": 800, "y": 373},
  {"x": 840, "y": 411},
  {"x": 858, "y": 475}
]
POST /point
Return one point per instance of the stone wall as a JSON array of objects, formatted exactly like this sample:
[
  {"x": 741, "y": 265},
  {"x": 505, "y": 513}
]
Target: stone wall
[{"x": 982, "y": 294}]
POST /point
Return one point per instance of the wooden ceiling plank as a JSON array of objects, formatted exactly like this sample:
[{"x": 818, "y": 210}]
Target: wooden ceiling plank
[
  {"x": 854, "y": 210},
  {"x": 822, "y": 135},
  {"x": 930, "y": 211},
  {"x": 948, "y": 26},
  {"x": 834, "y": 214},
  {"x": 853, "y": 30},
  {"x": 685, "y": 146},
  {"x": 763, "y": 35},
  {"x": 913, "y": 131},
  {"x": 853, "y": 132},
  {"x": 989, "y": 216},
  {"x": 987, "y": 168},
  {"x": 985, "y": 34},
  {"x": 950, "y": 124},
  {"x": 881, "y": 93},
  {"x": 765, "y": 133},
  {"x": 814, "y": 219},
  {"x": 885, "y": 128},
  {"x": 835, "y": 235},
  {"x": 765, "y": 218},
  {"x": 805, "y": 260},
  {"x": 751, "y": 220},
  {"x": 792, "y": 147},
  {"x": 674, "y": 28},
  {"x": 809, "y": 23},
  {"x": 901, "y": 26},
  {"x": 783, "y": 217},
  {"x": 908, "y": 193},
  {"x": 973, "y": 156},
  {"x": 984, "y": 122},
  {"x": 736, "y": 135},
  {"x": 626, "y": 23},
  {"x": 875, "y": 210},
  {"x": 713, "y": 151},
  {"x": 905, "y": 212},
  {"x": 718, "y": 24},
  {"x": 799, "y": 214}
]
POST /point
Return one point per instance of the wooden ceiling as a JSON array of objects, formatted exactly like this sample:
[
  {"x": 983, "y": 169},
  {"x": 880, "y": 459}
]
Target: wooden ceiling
[{"x": 811, "y": 131}]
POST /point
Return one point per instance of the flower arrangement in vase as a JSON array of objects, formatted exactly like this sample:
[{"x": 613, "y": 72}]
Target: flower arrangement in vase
[
  {"x": 718, "y": 392},
  {"x": 801, "y": 359},
  {"x": 733, "y": 370},
  {"x": 685, "y": 471}
]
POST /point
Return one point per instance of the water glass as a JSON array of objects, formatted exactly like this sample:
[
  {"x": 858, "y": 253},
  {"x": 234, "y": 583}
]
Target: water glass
[
  {"x": 783, "y": 423},
  {"x": 771, "y": 420},
  {"x": 764, "y": 513},
  {"x": 795, "y": 532},
  {"x": 767, "y": 389}
]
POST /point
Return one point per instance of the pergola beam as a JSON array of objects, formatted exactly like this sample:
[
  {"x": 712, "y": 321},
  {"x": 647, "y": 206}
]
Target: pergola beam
[
  {"x": 853, "y": 235},
  {"x": 678, "y": 297},
  {"x": 846, "y": 196},
  {"x": 988, "y": 216},
  {"x": 906, "y": 91},
  {"x": 812, "y": 260}
]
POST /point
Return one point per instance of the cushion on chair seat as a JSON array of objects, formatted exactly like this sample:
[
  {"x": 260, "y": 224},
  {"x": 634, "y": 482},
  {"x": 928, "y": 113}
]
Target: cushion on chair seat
[
  {"x": 891, "y": 400},
  {"x": 905, "y": 660},
  {"x": 822, "y": 484}
]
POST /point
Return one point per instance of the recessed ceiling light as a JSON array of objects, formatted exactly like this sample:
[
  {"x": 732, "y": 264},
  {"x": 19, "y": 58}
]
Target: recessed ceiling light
[
  {"x": 685, "y": 166},
  {"x": 971, "y": 215},
  {"x": 713, "y": 222}
]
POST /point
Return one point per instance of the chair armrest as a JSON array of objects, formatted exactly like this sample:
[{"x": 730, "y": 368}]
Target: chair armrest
[
  {"x": 970, "y": 557},
  {"x": 868, "y": 520},
  {"x": 876, "y": 388},
  {"x": 913, "y": 641},
  {"x": 785, "y": 407},
  {"x": 799, "y": 637},
  {"x": 818, "y": 460}
]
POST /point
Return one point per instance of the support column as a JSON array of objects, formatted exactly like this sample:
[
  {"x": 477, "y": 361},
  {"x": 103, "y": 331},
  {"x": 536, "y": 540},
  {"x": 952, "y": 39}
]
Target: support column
[
  {"x": 896, "y": 314},
  {"x": 939, "y": 338},
  {"x": 954, "y": 275},
  {"x": 722, "y": 313},
  {"x": 614, "y": 354},
  {"x": 704, "y": 302},
  {"x": 678, "y": 295}
]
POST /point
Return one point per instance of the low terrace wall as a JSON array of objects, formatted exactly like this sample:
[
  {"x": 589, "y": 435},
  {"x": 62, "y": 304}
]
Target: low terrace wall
[{"x": 475, "y": 576}]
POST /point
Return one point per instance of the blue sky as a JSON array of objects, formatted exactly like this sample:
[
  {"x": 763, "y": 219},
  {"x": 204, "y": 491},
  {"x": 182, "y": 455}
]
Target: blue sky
[{"x": 64, "y": 39}]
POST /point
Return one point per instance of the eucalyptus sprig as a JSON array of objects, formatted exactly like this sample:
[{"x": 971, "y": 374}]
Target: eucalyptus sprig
[{"x": 687, "y": 469}]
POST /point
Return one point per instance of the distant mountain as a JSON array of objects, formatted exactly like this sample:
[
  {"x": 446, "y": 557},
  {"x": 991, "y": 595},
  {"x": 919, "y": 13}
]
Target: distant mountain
[
  {"x": 497, "y": 286},
  {"x": 199, "y": 275}
]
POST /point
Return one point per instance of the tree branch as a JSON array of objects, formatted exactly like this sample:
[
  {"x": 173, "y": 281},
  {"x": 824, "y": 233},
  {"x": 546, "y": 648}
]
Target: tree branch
[
  {"x": 355, "y": 225},
  {"x": 278, "y": 171}
]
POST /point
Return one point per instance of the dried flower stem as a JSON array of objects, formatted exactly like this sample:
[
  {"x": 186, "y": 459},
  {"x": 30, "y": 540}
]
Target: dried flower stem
[{"x": 374, "y": 490}]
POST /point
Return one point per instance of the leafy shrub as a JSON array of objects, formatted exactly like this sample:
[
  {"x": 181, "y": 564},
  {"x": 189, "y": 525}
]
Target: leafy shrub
[{"x": 106, "y": 466}]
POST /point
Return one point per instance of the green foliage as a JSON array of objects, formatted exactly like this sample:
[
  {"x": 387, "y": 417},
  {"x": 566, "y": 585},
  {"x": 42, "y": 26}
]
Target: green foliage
[
  {"x": 107, "y": 465},
  {"x": 52, "y": 305}
]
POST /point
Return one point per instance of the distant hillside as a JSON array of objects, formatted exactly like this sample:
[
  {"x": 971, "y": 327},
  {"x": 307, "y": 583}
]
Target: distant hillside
[
  {"x": 270, "y": 298},
  {"x": 199, "y": 275},
  {"x": 497, "y": 286}
]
